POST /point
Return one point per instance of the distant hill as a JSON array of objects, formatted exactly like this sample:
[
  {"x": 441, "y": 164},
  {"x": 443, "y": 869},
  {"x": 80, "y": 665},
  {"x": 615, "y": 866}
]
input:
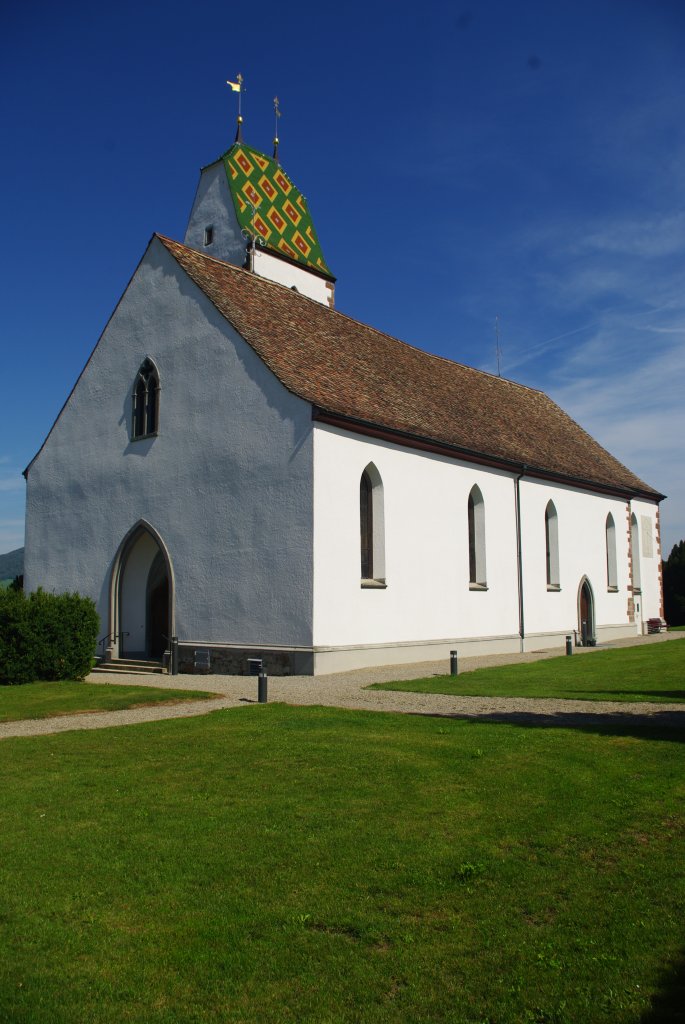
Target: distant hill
[{"x": 12, "y": 564}]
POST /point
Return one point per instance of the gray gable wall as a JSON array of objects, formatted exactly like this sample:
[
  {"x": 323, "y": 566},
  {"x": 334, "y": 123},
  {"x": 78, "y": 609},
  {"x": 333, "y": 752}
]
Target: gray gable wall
[
  {"x": 227, "y": 484},
  {"x": 213, "y": 206}
]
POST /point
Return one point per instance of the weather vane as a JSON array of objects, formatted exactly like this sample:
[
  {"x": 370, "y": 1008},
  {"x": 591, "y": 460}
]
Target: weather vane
[
  {"x": 237, "y": 86},
  {"x": 277, "y": 114}
]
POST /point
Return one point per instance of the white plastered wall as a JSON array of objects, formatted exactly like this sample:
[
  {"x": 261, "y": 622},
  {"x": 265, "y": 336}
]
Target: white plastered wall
[
  {"x": 427, "y": 600},
  {"x": 284, "y": 273},
  {"x": 427, "y": 606},
  {"x": 648, "y": 602},
  {"x": 581, "y": 525}
]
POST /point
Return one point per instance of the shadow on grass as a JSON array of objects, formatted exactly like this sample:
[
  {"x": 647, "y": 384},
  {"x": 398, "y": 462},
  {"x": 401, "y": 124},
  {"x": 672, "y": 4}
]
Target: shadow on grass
[
  {"x": 643, "y": 694},
  {"x": 660, "y": 725},
  {"x": 667, "y": 1005}
]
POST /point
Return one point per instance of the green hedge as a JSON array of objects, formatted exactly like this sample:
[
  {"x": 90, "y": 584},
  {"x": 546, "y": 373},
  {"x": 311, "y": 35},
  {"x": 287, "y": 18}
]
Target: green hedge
[{"x": 46, "y": 636}]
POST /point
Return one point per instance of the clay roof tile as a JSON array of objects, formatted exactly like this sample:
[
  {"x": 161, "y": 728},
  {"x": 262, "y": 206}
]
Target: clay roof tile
[{"x": 348, "y": 369}]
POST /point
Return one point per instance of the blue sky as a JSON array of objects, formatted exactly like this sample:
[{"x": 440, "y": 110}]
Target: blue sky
[{"x": 461, "y": 162}]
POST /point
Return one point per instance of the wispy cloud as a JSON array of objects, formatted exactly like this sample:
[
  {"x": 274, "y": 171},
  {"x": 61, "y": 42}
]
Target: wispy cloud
[
  {"x": 648, "y": 238},
  {"x": 619, "y": 370},
  {"x": 635, "y": 408}
]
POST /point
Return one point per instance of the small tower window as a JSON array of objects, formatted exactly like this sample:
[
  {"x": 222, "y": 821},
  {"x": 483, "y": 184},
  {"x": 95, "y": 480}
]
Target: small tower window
[
  {"x": 145, "y": 401},
  {"x": 209, "y": 235}
]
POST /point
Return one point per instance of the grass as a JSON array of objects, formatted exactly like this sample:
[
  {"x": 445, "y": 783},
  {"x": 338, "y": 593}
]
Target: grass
[
  {"x": 48, "y": 700},
  {"x": 676, "y": 629},
  {"x": 654, "y": 673},
  {"x": 281, "y": 865}
]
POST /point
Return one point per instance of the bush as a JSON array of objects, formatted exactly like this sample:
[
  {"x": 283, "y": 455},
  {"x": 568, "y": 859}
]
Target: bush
[
  {"x": 46, "y": 636},
  {"x": 674, "y": 586}
]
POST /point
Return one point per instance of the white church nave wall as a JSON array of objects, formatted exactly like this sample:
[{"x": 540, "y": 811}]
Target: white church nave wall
[
  {"x": 581, "y": 525},
  {"x": 428, "y": 596},
  {"x": 226, "y": 483},
  {"x": 648, "y": 604}
]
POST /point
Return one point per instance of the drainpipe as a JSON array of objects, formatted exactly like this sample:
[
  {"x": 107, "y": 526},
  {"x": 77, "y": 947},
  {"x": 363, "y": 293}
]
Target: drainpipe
[{"x": 519, "y": 557}]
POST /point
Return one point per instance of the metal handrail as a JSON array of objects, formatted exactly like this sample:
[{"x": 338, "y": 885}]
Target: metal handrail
[{"x": 112, "y": 636}]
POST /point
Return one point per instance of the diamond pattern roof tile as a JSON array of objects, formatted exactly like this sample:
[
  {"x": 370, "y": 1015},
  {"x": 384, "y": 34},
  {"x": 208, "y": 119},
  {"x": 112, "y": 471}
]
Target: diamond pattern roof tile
[{"x": 282, "y": 218}]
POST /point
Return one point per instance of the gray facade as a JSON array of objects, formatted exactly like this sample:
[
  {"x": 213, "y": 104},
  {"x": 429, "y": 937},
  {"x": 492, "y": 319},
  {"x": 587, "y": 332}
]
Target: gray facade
[
  {"x": 213, "y": 208},
  {"x": 225, "y": 484}
]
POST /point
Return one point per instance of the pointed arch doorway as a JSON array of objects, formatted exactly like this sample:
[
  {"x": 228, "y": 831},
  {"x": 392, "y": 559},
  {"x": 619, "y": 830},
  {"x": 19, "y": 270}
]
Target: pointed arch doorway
[
  {"x": 586, "y": 613},
  {"x": 143, "y": 595}
]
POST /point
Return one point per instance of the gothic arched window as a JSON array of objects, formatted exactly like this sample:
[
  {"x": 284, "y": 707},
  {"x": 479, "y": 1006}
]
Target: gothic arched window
[
  {"x": 146, "y": 401},
  {"x": 552, "y": 546},
  {"x": 612, "y": 577},
  {"x": 635, "y": 554},
  {"x": 476, "y": 518},
  {"x": 372, "y": 527}
]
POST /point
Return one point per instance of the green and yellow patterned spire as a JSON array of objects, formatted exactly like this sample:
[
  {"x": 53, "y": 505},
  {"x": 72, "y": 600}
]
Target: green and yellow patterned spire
[{"x": 282, "y": 218}]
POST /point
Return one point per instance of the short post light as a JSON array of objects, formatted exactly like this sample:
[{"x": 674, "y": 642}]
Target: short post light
[
  {"x": 454, "y": 664},
  {"x": 262, "y": 682},
  {"x": 569, "y": 644}
]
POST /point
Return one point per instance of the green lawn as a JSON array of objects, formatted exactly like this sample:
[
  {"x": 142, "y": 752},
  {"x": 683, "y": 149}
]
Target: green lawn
[
  {"x": 46, "y": 700},
  {"x": 651, "y": 673},
  {"x": 281, "y": 865}
]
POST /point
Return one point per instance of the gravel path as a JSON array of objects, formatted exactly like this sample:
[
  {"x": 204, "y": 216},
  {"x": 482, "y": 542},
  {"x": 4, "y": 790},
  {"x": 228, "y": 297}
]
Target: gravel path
[{"x": 346, "y": 690}]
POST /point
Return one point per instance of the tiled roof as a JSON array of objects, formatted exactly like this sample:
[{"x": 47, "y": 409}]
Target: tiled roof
[
  {"x": 353, "y": 371},
  {"x": 282, "y": 217}
]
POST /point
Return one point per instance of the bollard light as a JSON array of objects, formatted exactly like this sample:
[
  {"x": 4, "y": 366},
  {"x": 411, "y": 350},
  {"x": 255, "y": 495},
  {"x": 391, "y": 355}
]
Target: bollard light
[
  {"x": 262, "y": 688},
  {"x": 454, "y": 665},
  {"x": 569, "y": 645}
]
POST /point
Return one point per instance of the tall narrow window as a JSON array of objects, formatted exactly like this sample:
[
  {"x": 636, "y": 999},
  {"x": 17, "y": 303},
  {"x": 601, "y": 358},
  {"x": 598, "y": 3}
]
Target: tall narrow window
[
  {"x": 612, "y": 577},
  {"x": 366, "y": 523},
  {"x": 372, "y": 527},
  {"x": 635, "y": 554},
  {"x": 146, "y": 401},
  {"x": 552, "y": 546},
  {"x": 476, "y": 519}
]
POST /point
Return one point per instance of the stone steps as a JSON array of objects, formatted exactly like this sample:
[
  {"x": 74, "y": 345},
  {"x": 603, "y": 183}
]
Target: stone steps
[{"x": 130, "y": 667}]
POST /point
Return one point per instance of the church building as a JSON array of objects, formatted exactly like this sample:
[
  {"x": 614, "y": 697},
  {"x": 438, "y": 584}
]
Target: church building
[{"x": 241, "y": 471}]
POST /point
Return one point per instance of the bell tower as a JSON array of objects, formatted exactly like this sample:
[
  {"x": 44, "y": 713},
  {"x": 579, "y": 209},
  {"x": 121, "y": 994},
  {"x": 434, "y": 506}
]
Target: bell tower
[{"x": 248, "y": 212}]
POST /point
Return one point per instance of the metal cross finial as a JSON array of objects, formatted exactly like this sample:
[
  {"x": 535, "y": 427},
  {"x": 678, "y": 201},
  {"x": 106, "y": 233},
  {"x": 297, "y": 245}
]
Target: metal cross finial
[{"x": 277, "y": 114}]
